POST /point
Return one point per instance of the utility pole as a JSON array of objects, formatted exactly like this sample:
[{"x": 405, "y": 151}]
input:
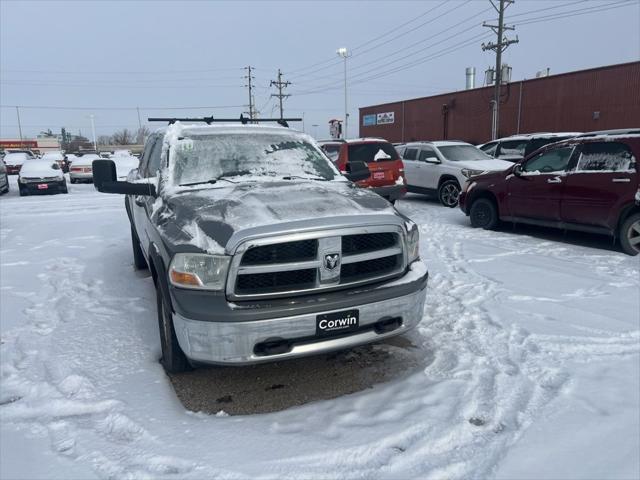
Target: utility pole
[
  {"x": 500, "y": 46},
  {"x": 19, "y": 124},
  {"x": 139, "y": 121},
  {"x": 250, "y": 78},
  {"x": 280, "y": 84}
]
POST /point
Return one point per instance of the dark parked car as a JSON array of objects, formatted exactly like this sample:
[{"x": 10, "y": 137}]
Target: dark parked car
[
  {"x": 41, "y": 176},
  {"x": 589, "y": 183},
  {"x": 516, "y": 147},
  {"x": 387, "y": 169}
]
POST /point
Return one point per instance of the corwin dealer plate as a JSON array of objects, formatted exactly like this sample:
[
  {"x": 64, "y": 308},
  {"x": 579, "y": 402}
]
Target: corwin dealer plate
[{"x": 337, "y": 323}]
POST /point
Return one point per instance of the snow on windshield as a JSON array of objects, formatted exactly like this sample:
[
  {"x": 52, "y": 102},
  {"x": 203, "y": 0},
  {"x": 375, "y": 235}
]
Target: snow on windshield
[
  {"x": 53, "y": 156},
  {"x": 459, "y": 153},
  {"x": 256, "y": 156},
  {"x": 40, "y": 168}
]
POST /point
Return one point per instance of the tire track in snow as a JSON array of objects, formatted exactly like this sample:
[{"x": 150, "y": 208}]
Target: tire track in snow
[
  {"x": 49, "y": 382},
  {"x": 497, "y": 378}
]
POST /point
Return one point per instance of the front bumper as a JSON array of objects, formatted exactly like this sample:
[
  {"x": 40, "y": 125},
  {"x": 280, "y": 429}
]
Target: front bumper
[
  {"x": 230, "y": 342},
  {"x": 462, "y": 202},
  {"x": 391, "y": 192},
  {"x": 52, "y": 187}
]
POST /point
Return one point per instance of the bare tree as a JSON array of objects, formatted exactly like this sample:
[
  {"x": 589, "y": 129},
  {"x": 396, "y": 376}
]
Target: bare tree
[
  {"x": 142, "y": 134},
  {"x": 104, "y": 140},
  {"x": 123, "y": 137}
]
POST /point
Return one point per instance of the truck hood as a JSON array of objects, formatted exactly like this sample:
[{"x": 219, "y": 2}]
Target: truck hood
[
  {"x": 211, "y": 216},
  {"x": 486, "y": 165}
]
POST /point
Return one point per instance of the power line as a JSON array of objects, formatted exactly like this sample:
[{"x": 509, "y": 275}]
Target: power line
[
  {"x": 409, "y": 55},
  {"x": 333, "y": 60},
  {"x": 50, "y": 107}
]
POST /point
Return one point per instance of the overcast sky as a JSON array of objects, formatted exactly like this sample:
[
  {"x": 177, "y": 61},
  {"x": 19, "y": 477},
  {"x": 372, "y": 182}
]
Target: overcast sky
[{"x": 112, "y": 56}]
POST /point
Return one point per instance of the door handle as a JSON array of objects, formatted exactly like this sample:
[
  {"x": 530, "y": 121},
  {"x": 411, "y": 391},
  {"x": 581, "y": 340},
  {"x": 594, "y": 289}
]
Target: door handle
[
  {"x": 554, "y": 180},
  {"x": 621, "y": 180},
  {"x": 139, "y": 199}
]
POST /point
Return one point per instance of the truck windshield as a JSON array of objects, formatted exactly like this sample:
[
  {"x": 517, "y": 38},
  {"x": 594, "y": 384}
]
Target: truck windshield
[{"x": 247, "y": 157}]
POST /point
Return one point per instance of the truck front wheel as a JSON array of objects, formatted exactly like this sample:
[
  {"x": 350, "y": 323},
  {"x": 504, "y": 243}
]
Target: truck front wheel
[
  {"x": 139, "y": 261},
  {"x": 173, "y": 358}
]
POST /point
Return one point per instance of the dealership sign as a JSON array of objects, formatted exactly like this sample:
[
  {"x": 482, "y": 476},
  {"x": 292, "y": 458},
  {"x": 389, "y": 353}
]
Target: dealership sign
[
  {"x": 386, "y": 117},
  {"x": 368, "y": 120}
]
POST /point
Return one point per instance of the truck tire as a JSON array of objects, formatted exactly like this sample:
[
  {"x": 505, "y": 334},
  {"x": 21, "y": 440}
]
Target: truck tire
[
  {"x": 448, "y": 193},
  {"x": 173, "y": 359},
  {"x": 139, "y": 262},
  {"x": 483, "y": 214},
  {"x": 630, "y": 234}
]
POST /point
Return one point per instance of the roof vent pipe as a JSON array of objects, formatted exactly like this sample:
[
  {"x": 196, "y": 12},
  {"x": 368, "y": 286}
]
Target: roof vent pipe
[{"x": 471, "y": 77}]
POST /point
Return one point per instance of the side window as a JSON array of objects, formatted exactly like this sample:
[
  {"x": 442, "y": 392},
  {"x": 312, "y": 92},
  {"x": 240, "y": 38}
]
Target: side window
[
  {"x": 605, "y": 156},
  {"x": 490, "y": 148},
  {"x": 410, "y": 154},
  {"x": 144, "y": 161},
  {"x": 513, "y": 147},
  {"x": 426, "y": 153},
  {"x": 332, "y": 151},
  {"x": 154, "y": 159},
  {"x": 549, "y": 162}
]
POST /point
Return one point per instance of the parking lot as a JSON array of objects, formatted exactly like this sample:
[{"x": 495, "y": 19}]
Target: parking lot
[{"x": 528, "y": 335}]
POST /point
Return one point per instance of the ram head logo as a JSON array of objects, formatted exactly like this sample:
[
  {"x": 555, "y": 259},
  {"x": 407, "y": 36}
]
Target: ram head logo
[{"x": 331, "y": 261}]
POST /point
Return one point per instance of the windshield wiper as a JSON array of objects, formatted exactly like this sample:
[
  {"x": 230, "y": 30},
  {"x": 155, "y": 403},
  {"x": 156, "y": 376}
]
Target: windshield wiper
[
  {"x": 291, "y": 177},
  {"x": 234, "y": 173}
]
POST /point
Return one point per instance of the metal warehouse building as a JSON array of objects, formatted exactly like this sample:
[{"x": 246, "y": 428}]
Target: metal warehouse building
[{"x": 595, "y": 99}]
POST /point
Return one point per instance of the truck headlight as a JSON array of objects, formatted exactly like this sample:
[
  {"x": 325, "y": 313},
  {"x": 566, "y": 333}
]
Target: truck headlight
[
  {"x": 413, "y": 244},
  {"x": 200, "y": 271},
  {"x": 468, "y": 172}
]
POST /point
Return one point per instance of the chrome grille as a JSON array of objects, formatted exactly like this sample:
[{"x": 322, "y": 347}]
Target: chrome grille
[
  {"x": 282, "y": 266},
  {"x": 281, "y": 253}
]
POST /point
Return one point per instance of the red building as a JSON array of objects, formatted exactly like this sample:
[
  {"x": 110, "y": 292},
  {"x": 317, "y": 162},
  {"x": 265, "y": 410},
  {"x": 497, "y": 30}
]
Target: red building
[{"x": 595, "y": 99}]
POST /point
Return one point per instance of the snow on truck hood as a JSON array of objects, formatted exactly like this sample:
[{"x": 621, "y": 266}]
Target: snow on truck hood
[
  {"x": 215, "y": 214},
  {"x": 488, "y": 165}
]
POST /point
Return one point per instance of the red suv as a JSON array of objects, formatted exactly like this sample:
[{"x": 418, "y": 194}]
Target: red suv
[
  {"x": 387, "y": 170},
  {"x": 589, "y": 183}
]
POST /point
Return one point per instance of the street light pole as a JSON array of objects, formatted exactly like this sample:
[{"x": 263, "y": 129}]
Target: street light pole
[
  {"x": 344, "y": 53},
  {"x": 93, "y": 131}
]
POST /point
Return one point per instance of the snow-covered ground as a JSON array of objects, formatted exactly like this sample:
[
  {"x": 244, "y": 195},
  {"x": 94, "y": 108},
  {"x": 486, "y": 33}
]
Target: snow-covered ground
[{"x": 530, "y": 340}]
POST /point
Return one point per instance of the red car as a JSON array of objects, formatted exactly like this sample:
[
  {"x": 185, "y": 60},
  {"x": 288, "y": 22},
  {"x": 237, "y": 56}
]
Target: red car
[
  {"x": 387, "y": 170},
  {"x": 589, "y": 183}
]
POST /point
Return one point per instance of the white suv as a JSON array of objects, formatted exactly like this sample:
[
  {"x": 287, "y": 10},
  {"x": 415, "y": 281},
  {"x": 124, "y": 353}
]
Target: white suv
[{"x": 441, "y": 168}]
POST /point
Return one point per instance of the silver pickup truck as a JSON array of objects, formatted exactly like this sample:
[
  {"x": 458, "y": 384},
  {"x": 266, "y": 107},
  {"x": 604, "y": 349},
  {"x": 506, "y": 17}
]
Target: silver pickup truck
[{"x": 260, "y": 250}]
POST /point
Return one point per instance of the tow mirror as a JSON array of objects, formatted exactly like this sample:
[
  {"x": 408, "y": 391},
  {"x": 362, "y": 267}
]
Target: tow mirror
[
  {"x": 105, "y": 179},
  {"x": 357, "y": 171}
]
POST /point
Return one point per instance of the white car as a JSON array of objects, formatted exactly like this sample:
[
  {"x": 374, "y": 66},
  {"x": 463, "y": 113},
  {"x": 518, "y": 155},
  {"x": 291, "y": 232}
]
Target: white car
[
  {"x": 54, "y": 156},
  {"x": 14, "y": 161},
  {"x": 124, "y": 164},
  {"x": 81, "y": 168},
  {"x": 441, "y": 168}
]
